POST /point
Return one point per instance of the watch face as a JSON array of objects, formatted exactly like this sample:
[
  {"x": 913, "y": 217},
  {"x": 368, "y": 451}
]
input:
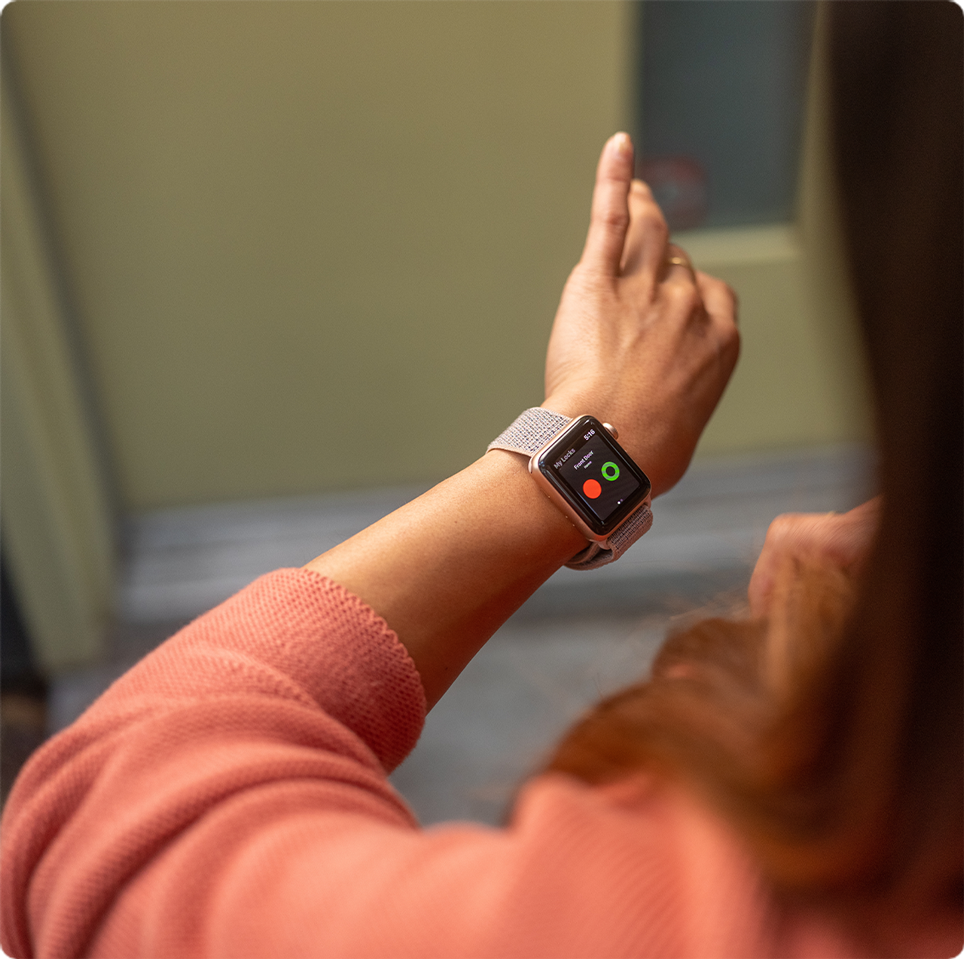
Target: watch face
[{"x": 594, "y": 475}]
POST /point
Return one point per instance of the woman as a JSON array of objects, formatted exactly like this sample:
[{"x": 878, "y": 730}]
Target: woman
[{"x": 789, "y": 785}]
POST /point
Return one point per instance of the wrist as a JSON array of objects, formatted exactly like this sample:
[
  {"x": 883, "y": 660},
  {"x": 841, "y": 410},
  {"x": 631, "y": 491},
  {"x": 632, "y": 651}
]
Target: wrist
[{"x": 538, "y": 527}]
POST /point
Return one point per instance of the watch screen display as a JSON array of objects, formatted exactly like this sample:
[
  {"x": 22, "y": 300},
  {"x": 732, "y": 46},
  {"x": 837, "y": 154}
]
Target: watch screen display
[{"x": 595, "y": 472}]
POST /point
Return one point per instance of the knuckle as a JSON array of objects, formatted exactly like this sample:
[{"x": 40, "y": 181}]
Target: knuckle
[
  {"x": 658, "y": 224},
  {"x": 781, "y": 530},
  {"x": 720, "y": 288},
  {"x": 730, "y": 336},
  {"x": 612, "y": 218},
  {"x": 783, "y": 522},
  {"x": 609, "y": 182},
  {"x": 684, "y": 296}
]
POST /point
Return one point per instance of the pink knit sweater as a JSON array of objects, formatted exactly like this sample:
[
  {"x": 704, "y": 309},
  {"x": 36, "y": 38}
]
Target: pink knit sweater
[{"x": 228, "y": 797}]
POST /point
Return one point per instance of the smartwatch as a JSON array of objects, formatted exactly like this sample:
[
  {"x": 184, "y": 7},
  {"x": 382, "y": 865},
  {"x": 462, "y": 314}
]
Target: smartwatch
[{"x": 581, "y": 468}]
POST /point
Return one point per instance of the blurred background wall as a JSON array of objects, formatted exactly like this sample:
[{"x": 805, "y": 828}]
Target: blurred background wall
[
  {"x": 313, "y": 245},
  {"x": 267, "y": 249}
]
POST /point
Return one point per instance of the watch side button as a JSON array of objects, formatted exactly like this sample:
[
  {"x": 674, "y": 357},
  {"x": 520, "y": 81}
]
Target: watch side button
[{"x": 612, "y": 429}]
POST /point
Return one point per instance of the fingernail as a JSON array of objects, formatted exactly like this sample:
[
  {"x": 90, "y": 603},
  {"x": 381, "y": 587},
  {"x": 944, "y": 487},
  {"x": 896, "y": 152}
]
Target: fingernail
[{"x": 621, "y": 145}]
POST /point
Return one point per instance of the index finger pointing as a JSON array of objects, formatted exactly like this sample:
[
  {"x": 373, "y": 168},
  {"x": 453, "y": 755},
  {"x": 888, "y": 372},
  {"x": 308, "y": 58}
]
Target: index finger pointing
[{"x": 609, "y": 219}]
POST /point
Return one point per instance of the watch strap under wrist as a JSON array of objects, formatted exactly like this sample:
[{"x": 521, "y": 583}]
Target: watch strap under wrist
[{"x": 595, "y": 555}]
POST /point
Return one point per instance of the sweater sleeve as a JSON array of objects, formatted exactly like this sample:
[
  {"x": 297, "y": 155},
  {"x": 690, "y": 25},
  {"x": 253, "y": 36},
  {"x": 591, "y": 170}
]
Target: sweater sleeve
[
  {"x": 291, "y": 681},
  {"x": 229, "y": 797}
]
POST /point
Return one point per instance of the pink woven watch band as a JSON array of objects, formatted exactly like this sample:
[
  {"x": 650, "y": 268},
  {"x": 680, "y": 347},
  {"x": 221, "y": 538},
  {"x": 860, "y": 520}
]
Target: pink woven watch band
[{"x": 529, "y": 432}]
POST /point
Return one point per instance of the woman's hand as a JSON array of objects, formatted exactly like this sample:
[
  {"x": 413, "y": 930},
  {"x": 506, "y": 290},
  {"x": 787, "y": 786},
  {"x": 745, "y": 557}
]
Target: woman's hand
[
  {"x": 842, "y": 539},
  {"x": 637, "y": 341}
]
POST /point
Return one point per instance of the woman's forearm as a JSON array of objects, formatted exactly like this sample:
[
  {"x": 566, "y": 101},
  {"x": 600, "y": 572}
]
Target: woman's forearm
[{"x": 446, "y": 570}]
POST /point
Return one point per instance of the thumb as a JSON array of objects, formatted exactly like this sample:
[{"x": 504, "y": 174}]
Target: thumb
[{"x": 609, "y": 219}]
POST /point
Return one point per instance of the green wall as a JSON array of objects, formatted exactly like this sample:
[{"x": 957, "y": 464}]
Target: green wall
[{"x": 312, "y": 245}]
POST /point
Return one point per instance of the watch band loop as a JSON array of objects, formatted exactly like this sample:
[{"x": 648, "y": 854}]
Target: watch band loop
[{"x": 529, "y": 431}]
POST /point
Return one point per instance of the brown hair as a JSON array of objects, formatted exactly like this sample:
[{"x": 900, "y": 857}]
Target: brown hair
[{"x": 832, "y": 735}]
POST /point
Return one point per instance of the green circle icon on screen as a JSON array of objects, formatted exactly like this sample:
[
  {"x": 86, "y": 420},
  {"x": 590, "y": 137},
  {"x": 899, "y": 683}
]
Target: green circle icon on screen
[{"x": 610, "y": 471}]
